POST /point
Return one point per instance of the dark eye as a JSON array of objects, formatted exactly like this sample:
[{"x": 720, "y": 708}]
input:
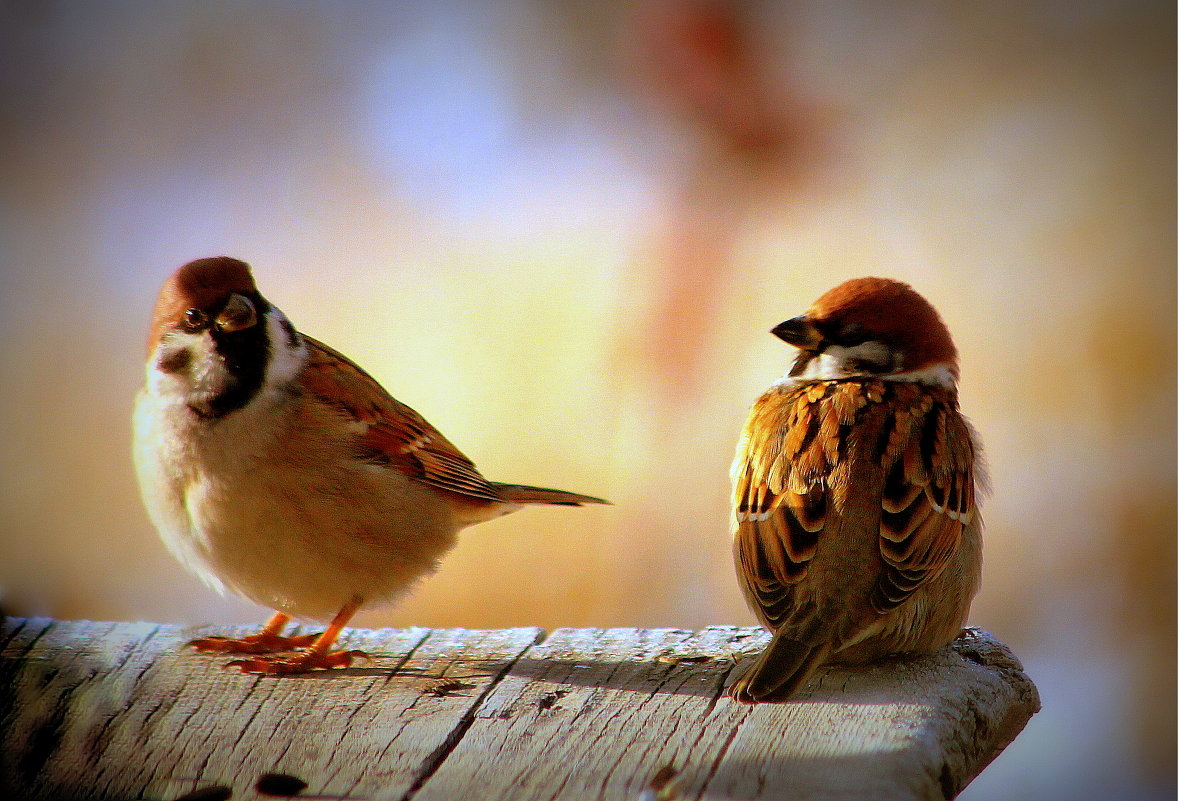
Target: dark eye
[
  {"x": 852, "y": 334},
  {"x": 195, "y": 319}
]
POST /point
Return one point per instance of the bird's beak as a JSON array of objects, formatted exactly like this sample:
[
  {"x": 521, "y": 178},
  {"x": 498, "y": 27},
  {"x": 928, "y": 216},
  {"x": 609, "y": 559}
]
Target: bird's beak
[
  {"x": 799, "y": 332},
  {"x": 238, "y": 313}
]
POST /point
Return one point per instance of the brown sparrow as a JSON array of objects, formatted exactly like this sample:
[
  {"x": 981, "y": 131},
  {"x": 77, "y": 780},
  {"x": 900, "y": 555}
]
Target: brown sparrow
[
  {"x": 856, "y": 531},
  {"x": 276, "y": 468}
]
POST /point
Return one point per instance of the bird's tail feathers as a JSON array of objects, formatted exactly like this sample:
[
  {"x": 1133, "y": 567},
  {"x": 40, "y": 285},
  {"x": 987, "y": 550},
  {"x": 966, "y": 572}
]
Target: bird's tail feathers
[
  {"x": 520, "y": 493},
  {"x": 780, "y": 671}
]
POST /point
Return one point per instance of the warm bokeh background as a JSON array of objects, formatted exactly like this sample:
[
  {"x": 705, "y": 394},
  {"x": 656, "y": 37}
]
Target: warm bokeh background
[{"x": 561, "y": 231}]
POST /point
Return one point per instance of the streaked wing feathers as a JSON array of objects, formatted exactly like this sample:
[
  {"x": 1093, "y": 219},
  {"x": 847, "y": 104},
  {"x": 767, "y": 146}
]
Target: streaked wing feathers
[
  {"x": 793, "y": 442},
  {"x": 393, "y": 433},
  {"x": 780, "y": 498},
  {"x": 928, "y": 498}
]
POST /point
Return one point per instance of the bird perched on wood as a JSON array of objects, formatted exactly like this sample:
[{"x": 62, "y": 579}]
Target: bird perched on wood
[
  {"x": 275, "y": 467},
  {"x": 855, "y": 484}
]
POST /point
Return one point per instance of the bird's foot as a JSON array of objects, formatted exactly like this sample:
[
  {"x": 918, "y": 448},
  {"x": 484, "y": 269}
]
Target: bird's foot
[
  {"x": 739, "y": 691},
  {"x": 263, "y": 643},
  {"x": 298, "y": 663}
]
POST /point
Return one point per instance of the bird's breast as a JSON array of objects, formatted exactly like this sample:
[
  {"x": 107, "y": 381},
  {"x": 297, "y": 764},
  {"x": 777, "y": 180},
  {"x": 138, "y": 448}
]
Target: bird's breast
[{"x": 274, "y": 503}]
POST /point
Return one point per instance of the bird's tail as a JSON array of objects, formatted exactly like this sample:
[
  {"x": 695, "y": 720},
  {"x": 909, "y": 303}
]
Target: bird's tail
[
  {"x": 520, "y": 493},
  {"x": 780, "y": 671}
]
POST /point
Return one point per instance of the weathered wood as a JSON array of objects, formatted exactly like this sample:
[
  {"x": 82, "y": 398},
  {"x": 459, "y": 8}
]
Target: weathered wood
[
  {"x": 119, "y": 711},
  {"x": 116, "y": 711}
]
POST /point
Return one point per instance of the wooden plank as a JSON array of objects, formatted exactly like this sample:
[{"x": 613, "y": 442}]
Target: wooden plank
[
  {"x": 595, "y": 714},
  {"x": 598, "y": 714},
  {"x": 124, "y": 711},
  {"x": 117, "y": 711},
  {"x": 904, "y": 728}
]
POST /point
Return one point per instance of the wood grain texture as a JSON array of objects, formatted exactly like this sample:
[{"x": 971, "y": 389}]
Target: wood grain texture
[{"x": 114, "y": 711}]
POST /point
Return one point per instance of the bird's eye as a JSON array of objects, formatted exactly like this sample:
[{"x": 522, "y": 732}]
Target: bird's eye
[
  {"x": 195, "y": 319},
  {"x": 852, "y": 334}
]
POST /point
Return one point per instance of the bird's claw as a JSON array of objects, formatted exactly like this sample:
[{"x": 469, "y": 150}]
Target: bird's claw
[
  {"x": 253, "y": 644},
  {"x": 299, "y": 663}
]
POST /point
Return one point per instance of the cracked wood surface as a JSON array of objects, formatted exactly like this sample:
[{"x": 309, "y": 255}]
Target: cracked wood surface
[{"x": 114, "y": 711}]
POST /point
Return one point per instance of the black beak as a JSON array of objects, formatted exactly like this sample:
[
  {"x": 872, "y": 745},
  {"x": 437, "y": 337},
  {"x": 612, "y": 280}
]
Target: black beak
[
  {"x": 799, "y": 332},
  {"x": 239, "y": 313}
]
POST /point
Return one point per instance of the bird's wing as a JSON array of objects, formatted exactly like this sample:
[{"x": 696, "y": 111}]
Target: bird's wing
[
  {"x": 780, "y": 494},
  {"x": 784, "y": 498},
  {"x": 391, "y": 433},
  {"x": 928, "y": 495}
]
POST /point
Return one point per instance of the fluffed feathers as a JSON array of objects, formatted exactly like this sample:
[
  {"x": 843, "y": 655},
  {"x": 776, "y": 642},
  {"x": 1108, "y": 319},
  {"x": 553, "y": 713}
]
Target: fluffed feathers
[{"x": 856, "y": 531}]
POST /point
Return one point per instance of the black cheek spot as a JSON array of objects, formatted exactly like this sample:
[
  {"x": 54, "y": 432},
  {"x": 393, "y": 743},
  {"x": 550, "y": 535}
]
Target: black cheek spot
[
  {"x": 175, "y": 360},
  {"x": 865, "y": 364}
]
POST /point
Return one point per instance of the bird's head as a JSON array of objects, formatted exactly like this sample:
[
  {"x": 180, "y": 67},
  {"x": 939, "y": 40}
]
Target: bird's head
[
  {"x": 214, "y": 339},
  {"x": 871, "y": 328}
]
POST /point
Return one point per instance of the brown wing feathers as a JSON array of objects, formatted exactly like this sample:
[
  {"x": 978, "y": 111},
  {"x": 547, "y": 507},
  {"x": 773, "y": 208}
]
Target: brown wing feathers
[
  {"x": 927, "y": 499},
  {"x": 781, "y": 497},
  {"x": 396, "y": 435},
  {"x": 782, "y": 491}
]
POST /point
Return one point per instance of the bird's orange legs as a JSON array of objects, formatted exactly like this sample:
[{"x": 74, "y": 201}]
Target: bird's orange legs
[{"x": 318, "y": 654}]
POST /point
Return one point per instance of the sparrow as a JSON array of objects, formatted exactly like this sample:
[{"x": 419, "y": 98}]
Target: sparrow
[
  {"x": 276, "y": 468},
  {"x": 856, "y": 533}
]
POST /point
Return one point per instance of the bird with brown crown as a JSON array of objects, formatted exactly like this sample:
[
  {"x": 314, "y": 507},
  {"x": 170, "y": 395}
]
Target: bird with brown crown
[
  {"x": 274, "y": 467},
  {"x": 855, "y": 487}
]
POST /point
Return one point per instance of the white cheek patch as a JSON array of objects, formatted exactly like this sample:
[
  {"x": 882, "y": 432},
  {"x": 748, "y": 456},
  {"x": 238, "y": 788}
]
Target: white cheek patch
[
  {"x": 937, "y": 375},
  {"x": 831, "y": 363},
  {"x": 172, "y": 342},
  {"x": 202, "y": 373},
  {"x": 841, "y": 362},
  {"x": 870, "y": 352},
  {"x": 286, "y": 360},
  {"x": 838, "y": 362},
  {"x": 187, "y": 368}
]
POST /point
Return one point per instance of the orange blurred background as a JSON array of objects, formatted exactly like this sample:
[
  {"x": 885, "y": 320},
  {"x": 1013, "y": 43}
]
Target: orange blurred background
[{"x": 562, "y": 231}]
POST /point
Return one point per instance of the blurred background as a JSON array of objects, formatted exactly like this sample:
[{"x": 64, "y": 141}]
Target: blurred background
[{"x": 561, "y": 231}]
